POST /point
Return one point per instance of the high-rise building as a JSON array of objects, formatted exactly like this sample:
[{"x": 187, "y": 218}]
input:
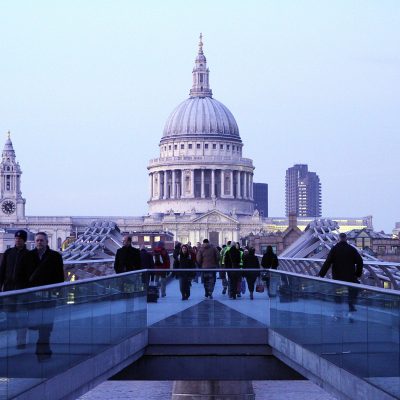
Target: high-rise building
[
  {"x": 260, "y": 193},
  {"x": 303, "y": 192}
]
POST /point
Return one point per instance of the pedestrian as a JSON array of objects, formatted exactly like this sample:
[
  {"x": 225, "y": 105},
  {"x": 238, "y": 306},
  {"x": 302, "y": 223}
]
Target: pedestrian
[
  {"x": 175, "y": 254},
  {"x": 269, "y": 261},
  {"x": 232, "y": 261},
  {"x": 42, "y": 266},
  {"x": 185, "y": 261},
  {"x": 147, "y": 262},
  {"x": 161, "y": 261},
  {"x": 250, "y": 260},
  {"x": 347, "y": 265},
  {"x": 10, "y": 265},
  {"x": 225, "y": 249},
  {"x": 239, "y": 283},
  {"x": 208, "y": 258},
  {"x": 127, "y": 257}
]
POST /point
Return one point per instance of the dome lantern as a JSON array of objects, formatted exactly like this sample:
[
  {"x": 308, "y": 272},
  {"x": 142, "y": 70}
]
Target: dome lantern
[{"x": 201, "y": 84}]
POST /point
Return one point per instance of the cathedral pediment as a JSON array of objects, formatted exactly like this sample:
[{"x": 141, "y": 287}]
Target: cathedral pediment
[{"x": 215, "y": 216}]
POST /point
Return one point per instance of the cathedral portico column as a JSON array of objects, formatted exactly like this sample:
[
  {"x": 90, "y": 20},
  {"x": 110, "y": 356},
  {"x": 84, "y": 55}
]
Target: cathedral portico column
[
  {"x": 245, "y": 193},
  {"x": 202, "y": 184},
  {"x": 222, "y": 183},
  {"x": 213, "y": 183},
  {"x": 192, "y": 183},
  {"x": 251, "y": 187},
  {"x": 159, "y": 185},
  {"x": 182, "y": 185},
  {"x": 151, "y": 185},
  {"x": 231, "y": 188},
  {"x": 173, "y": 189},
  {"x": 238, "y": 194},
  {"x": 165, "y": 184}
]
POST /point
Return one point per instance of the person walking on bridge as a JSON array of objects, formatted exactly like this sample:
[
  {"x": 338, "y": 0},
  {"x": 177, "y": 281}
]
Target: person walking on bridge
[
  {"x": 208, "y": 257},
  {"x": 43, "y": 266},
  {"x": 9, "y": 268},
  {"x": 127, "y": 257},
  {"x": 185, "y": 261},
  {"x": 347, "y": 265},
  {"x": 270, "y": 261},
  {"x": 233, "y": 260},
  {"x": 250, "y": 260},
  {"x": 161, "y": 261}
]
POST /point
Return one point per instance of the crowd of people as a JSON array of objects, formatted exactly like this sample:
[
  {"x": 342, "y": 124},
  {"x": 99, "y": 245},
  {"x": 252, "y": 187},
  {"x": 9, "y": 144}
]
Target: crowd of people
[{"x": 205, "y": 257}]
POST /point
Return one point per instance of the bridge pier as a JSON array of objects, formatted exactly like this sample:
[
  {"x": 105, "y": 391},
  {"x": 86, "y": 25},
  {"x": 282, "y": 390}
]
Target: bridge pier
[{"x": 213, "y": 390}]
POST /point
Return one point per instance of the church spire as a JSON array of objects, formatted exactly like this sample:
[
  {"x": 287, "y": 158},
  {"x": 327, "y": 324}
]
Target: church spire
[
  {"x": 8, "y": 150},
  {"x": 201, "y": 85}
]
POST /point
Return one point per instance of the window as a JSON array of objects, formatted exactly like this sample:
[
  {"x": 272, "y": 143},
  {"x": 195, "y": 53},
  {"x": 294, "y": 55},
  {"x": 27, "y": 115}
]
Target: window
[
  {"x": 175, "y": 146},
  {"x": 233, "y": 148},
  {"x": 169, "y": 147},
  {"x": 190, "y": 145},
  {"x": 182, "y": 146},
  {"x": 146, "y": 238},
  {"x": 381, "y": 250},
  {"x": 206, "y": 146},
  {"x": 221, "y": 146},
  {"x": 157, "y": 238},
  {"x": 227, "y": 146},
  {"x": 197, "y": 145},
  {"x": 214, "y": 146}
]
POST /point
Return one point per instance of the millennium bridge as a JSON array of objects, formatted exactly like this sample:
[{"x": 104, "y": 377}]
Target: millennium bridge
[{"x": 104, "y": 328}]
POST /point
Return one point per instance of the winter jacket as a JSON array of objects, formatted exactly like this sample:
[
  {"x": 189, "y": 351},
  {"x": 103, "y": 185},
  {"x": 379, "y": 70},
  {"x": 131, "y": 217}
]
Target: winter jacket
[
  {"x": 127, "y": 259},
  {"x": 346, "y": 263},
  {"x": 9, "y": 267},
  {"x": 146, "y": 259},
  {"x": 207, "y": 256},
  {"x": 233, "y": 258},
  {"x": 270, "y": 261},
  {"x": 45, "y": 271}
]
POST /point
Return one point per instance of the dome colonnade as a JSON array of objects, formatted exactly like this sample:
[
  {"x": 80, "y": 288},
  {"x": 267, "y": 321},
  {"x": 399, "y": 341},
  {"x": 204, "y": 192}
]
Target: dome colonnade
[{"x": 200, "y": 166}]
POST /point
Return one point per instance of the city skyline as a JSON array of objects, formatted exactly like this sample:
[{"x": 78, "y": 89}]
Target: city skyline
[{"x": 83, "y": 86}]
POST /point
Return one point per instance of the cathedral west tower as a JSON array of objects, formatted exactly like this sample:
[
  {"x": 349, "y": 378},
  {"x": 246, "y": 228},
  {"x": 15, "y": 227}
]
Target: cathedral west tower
[{"x": 12, "y": 205}]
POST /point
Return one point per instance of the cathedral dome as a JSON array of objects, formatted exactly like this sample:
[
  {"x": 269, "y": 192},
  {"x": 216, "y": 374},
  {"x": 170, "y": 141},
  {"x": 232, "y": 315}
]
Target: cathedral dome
[{"x": 201, "y": 116}]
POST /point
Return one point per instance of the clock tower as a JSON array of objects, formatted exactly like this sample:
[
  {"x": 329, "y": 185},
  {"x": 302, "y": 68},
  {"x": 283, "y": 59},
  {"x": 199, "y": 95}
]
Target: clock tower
[{"x": 12, "y": 205}]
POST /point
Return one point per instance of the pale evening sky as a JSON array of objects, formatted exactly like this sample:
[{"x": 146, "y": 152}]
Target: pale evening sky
[{"x": 86, "y": 87}]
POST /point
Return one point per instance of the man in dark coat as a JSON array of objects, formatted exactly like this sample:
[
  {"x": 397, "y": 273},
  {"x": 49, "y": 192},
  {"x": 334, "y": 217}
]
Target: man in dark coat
[
  {"x": 11, "y": 262},
  {"x": 233, "y": 260},
  {"x": 127, "y": 257},
  {"x": 10, "y": 265},
  {"x": 347, "y": 265},
  {"x": 43, "y": 266},
  {"x": 147, "y": 262}
]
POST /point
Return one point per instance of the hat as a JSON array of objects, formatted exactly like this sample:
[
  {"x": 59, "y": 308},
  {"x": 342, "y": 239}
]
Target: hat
[{"x": 21, "y": 234}]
